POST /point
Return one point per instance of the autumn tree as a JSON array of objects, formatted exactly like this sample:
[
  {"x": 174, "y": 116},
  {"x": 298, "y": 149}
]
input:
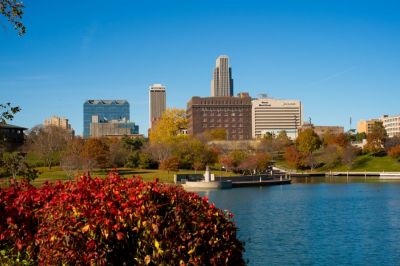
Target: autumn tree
[
  {"x": 308, "y": 141},
  {"x": 216, "y": 134},
  {"x": 48, "y": 143},
  {"x": 256, "y": 163},
  {"x": 95, "y": 153},
  {"x": 169, "y": 126},
  {"x": 170, "y": 164},
  {"x": 376, "y": 138},
  {"x": 274, "y": 145},
  {"x": 12, "y": 10},
  {"x": 340, "y": 140},
  {"x": 395, "y": 152},
  {"x": 293, "y": 157},
  {"x": 392, "y": 142}
]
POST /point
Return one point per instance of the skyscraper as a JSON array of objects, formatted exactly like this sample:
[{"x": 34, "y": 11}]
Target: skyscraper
[
  {"x": 222, "y": 82},
  {"x": 157, "y": 102}
]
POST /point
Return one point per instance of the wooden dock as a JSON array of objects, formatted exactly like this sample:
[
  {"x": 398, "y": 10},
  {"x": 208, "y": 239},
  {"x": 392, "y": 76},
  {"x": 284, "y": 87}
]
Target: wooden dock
[{"x": 261, "y": 183}]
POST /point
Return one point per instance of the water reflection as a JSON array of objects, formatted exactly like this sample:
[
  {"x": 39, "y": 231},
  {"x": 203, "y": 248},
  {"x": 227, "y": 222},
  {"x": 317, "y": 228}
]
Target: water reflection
[{"x": 319, "y": 221}]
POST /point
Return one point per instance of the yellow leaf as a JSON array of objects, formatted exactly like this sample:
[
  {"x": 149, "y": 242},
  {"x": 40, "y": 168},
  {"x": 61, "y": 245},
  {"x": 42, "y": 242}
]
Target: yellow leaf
[
  {"x": 191, "y": 251},
  {"x": 85, "y": 228}
]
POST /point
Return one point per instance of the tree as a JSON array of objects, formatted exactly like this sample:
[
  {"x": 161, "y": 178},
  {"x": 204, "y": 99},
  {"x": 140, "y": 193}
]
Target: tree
[
  {"x": 71, "y": 159},
  {"x": 349, "y": 154},
  {"x": 13, "y": 10},
  {"x": 392, "y": 142},
  {"x": 256, "y": 163},
  {"x": 170, "y": 164},
  {"x": 293, "y": 157},
  {"x": 95, "y": 153},
  {"x": 118, "y": 153},
  {"x": 146, "y": 161},
  {"x": 330, "y": 156},
  {"x": 14, "y": 163},
  {"x": 274, "y": 145},
  {"x": 395, "y": 152},
  {"x": 169, "y": 126},
  {"x": 48, "y": 142},
  {"x": 216, "y": 134},
  {"x": 133, "y": 144},
  {"x": 376, "y": 138},
  {"x": 7, "y": 111},
  {"x": 283, "y": 139},
  {"x": 308, "y": 141}
]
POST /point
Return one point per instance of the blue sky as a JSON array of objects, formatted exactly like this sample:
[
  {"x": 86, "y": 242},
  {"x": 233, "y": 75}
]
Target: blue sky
[{"x": 340, "y": 58}]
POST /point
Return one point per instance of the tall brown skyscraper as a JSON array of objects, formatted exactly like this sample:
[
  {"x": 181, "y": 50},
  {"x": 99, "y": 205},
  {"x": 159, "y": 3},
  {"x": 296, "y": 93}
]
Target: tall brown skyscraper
[
  {"x": 157, "y": 102},
  {"x": 222, "y": 82}
]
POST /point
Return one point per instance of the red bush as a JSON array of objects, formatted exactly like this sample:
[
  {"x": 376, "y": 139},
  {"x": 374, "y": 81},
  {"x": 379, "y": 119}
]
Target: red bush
[{"x": 115, "y": 221}]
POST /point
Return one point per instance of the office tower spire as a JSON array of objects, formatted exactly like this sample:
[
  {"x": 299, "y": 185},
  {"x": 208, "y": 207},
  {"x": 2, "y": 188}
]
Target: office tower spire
[{"x": 222, "y": 82}]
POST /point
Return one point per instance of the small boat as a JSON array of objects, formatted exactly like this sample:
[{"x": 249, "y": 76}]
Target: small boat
[{"x": 389, "y": 175}]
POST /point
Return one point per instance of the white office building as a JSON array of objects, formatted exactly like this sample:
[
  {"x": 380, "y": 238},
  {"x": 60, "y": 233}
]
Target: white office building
[
  {"x": 274, "y": 115},
  {"x": 392, "y": 125}
]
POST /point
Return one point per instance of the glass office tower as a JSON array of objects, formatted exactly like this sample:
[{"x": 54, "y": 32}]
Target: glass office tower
[{"x": 103, "y": 111}]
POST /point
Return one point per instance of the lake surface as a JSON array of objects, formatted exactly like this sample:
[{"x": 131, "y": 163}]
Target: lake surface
[{"x": 321, "y": 222}]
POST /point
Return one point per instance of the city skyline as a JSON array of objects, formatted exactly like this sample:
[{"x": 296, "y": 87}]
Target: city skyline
[{"x": 340, "y": 56}]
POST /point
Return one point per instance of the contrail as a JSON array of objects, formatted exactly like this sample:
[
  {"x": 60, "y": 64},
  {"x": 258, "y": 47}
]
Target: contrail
[{"x": 338, "y": 74}]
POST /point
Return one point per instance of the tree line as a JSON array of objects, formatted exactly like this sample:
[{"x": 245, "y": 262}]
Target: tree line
[{"x": 167, "y": 148}]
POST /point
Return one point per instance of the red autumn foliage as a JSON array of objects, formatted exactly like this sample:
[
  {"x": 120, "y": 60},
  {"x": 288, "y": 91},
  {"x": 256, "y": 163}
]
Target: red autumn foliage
[
  {"x": 114, "y": 221},
  {"x": 395, "y": 152}
]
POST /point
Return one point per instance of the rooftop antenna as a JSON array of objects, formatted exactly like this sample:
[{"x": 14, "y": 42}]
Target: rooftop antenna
[{"x": 350, "y": 124}]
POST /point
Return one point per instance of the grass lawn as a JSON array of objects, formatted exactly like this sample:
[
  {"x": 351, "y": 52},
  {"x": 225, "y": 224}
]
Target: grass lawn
[
  {"x": 56, "y": 173},
  {"x": 364, "y": 162}
]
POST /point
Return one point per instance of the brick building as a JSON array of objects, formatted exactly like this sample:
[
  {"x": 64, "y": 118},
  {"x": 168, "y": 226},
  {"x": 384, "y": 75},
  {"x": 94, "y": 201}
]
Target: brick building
[{"x": 230, "y": 113}]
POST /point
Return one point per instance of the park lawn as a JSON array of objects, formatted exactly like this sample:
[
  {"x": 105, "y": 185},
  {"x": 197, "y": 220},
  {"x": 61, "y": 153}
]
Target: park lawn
[
  {"x": 372, "y": 163},
  {"x": 365, "y": 162},
  {"x": 56, "y": 173}
]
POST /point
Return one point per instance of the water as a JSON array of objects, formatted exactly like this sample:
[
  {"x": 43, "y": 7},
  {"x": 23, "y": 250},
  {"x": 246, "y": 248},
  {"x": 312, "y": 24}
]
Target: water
[{"x": 317, "y": 223}]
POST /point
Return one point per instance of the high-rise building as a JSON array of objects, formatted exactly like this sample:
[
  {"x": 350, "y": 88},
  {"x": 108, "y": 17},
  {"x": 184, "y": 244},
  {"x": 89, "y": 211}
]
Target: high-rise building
[
  {"x": 103, "y": 111},
  {"x": 274, "y": 115},
  {"x": 230, "y": 113},
  {"x": 222, "y": 82},
  {"x": 157, "y": 103}
]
